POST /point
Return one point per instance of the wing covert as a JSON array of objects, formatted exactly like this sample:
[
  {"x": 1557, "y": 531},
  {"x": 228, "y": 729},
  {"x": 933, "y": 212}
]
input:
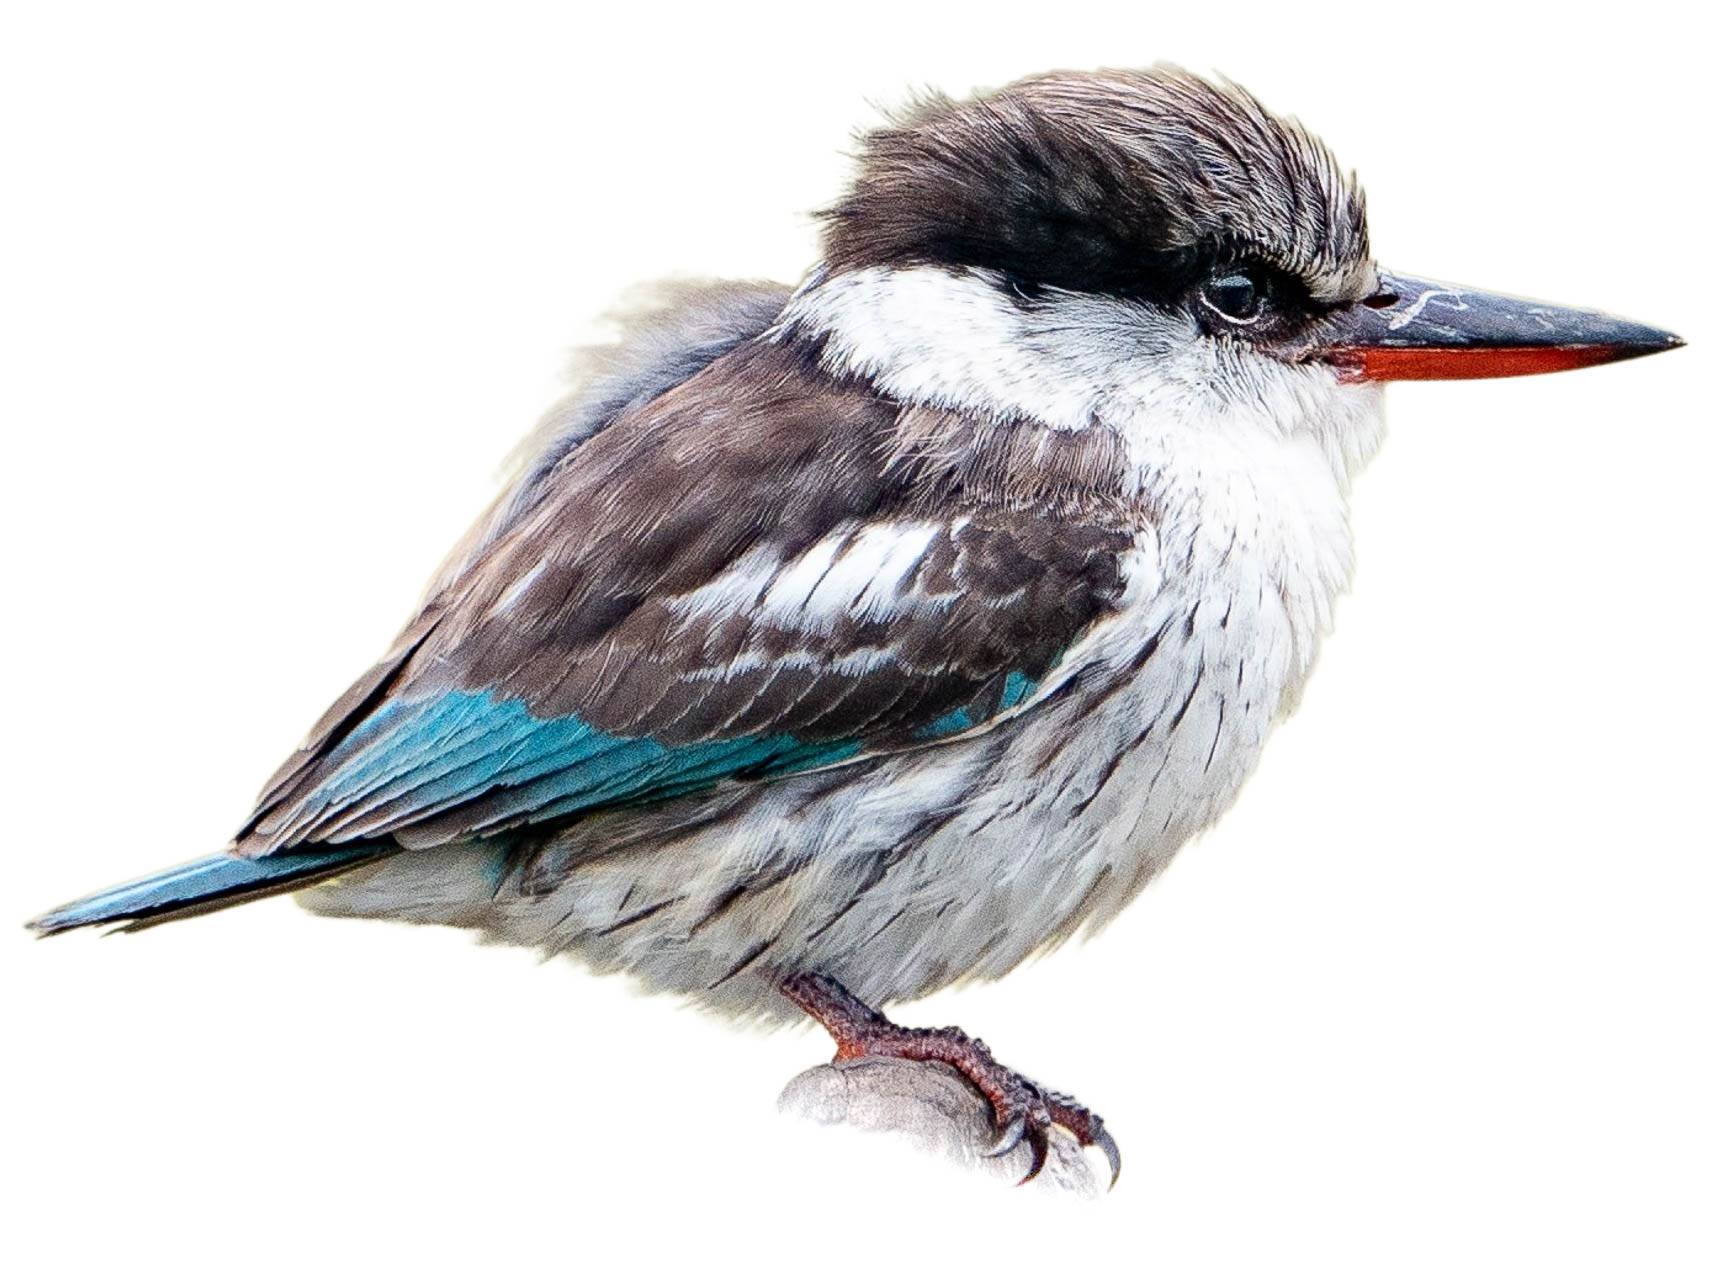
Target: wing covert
[{"x": 739, "y": 580}]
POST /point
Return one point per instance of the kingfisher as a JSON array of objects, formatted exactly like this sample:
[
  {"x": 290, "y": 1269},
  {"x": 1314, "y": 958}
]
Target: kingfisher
[{"x": 838, "y": 642}]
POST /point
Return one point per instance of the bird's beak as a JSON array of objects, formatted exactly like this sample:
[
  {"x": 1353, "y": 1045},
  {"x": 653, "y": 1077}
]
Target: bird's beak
[{"x": 1413, "y": 329}]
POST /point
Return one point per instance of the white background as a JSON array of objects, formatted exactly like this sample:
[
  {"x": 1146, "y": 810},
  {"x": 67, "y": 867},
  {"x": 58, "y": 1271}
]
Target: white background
[{"x": 282, "y": 285}]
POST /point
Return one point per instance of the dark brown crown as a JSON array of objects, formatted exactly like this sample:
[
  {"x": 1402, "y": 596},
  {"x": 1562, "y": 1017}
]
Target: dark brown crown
[{"x": 1132, "y": 182}]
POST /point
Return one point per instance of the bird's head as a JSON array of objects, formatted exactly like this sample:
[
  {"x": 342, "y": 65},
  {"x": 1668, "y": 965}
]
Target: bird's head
[{"x": 1078, "y": 242}]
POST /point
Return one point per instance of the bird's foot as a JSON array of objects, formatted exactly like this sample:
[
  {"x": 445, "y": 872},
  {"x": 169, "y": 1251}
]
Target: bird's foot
[{"x": 1023, "y": 1111}]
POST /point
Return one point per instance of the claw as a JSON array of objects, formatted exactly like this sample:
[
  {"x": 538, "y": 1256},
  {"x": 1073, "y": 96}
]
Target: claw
[
  {"x": 1013, "y": 1131},
  {"x": 1023, "y": 1109},
  {"x": 1039, "y": 1154},
  {"x": 1111, "y": 1151}
]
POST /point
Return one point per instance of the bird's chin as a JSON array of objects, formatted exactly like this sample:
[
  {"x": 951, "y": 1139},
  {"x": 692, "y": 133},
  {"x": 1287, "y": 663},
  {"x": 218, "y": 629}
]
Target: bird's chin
[
  {"x": 1344, "y": 417},
  {"x": 1250, "y": 399}
]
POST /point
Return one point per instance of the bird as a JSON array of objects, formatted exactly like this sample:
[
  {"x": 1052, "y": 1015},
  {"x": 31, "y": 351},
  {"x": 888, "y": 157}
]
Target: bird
[{"x": 833, "y": 643}]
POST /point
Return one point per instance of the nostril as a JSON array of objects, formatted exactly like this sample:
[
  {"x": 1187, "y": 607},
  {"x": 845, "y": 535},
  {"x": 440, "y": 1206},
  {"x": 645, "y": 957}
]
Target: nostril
[{"x": 1382, "y": 300}]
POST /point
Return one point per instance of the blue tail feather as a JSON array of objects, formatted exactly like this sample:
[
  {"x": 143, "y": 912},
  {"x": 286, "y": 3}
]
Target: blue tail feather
[{"x": 202, "y": 885}]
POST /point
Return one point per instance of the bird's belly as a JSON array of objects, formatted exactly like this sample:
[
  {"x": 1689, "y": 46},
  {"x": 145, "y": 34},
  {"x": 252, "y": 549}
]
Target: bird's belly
[{"x": 1095, "y": 794}]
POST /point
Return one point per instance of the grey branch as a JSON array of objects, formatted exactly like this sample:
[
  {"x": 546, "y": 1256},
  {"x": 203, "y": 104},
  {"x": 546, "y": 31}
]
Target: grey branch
[{"x": 938, "y": 1110}]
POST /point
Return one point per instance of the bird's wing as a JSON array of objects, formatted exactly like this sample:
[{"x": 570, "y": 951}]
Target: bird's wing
[
  {"x": 668, "y": 332},
  {"x": 740, "y": 580}
]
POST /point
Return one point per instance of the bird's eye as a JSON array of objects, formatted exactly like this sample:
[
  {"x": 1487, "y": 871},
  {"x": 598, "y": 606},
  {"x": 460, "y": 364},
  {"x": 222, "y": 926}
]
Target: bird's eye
[{"x": 1235, "y": 295}]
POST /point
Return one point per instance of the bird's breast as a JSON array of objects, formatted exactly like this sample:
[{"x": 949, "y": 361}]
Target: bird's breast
[{"x": 1164, "y": 711}]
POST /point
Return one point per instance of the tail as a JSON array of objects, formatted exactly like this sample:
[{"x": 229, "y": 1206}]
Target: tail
[{"x": 219, "y": 881}]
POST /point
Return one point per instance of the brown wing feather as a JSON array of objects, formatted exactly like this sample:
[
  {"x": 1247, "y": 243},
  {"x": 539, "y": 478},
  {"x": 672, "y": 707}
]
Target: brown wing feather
[{"x": 633, "y": 597}]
